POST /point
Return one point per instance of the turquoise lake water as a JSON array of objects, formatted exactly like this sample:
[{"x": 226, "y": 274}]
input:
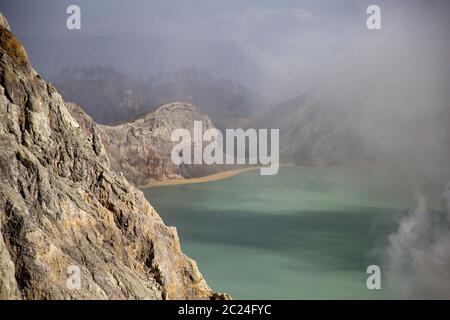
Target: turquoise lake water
[{"x": 305, "y": 233}]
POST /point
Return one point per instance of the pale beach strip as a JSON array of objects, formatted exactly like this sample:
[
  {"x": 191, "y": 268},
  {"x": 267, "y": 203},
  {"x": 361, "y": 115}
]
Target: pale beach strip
[{"x": 213, "y": 177}]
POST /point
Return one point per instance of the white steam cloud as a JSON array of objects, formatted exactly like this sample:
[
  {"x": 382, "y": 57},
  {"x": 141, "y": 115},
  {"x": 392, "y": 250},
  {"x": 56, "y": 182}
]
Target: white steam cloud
[{"x": 419, "y": 253}]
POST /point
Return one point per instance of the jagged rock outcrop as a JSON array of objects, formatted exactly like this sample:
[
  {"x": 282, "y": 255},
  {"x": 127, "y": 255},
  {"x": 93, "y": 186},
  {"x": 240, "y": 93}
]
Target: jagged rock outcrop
[
  {"x": 61, "y": 205},
  {"x": 141, "y": 149}
]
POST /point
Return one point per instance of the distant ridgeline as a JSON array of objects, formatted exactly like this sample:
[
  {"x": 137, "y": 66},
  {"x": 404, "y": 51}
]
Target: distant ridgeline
[
  {"x": 93, "y": 72},
  {"x": 112, "y": 98}
]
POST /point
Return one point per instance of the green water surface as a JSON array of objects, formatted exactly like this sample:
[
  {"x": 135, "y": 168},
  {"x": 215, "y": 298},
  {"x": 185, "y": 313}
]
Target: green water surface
[{"x": 305, "y": 233}]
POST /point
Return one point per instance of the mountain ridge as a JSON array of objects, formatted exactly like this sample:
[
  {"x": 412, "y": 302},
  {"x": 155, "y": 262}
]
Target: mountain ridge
[
  {"x": 111, "y": 98},
  {"x": 315, "y": 133},
  {"x": 141, "y": 149}
]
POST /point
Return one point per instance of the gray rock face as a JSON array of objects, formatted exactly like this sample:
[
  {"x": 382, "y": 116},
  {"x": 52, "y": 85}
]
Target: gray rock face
[
  {"x": 314, "y": 133},
  {"x": 141, "y": 149},
  {"x": 61, "y": 205}
]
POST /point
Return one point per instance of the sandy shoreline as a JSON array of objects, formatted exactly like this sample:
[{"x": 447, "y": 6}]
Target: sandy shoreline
[{"x": 213, "y": 177}]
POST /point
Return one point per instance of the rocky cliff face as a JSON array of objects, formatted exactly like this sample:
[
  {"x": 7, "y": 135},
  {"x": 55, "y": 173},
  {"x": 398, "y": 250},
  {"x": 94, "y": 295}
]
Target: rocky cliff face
[
  {"x": 62, "y": 207},
  {"x": 316, "y": 133},
  {"x": 141, "y": 149}
]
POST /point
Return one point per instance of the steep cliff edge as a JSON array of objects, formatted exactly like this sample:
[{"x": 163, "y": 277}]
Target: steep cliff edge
[{"x": 61, "y": 205}]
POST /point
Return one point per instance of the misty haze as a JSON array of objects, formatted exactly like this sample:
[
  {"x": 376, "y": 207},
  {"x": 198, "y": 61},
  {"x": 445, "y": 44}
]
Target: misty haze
[{"x": 89, "y": 105}]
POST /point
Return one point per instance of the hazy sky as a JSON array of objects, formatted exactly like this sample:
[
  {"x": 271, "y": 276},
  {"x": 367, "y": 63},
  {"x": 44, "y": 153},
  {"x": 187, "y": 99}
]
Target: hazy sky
[
  {"x": 206, "y": 19},
  {"x": 296, "y": 44}
]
